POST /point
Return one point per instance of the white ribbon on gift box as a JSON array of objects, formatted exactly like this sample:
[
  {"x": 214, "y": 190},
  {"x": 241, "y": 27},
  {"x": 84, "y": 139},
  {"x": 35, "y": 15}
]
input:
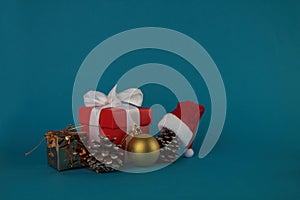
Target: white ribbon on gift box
[{"x": 121, "y": 100}]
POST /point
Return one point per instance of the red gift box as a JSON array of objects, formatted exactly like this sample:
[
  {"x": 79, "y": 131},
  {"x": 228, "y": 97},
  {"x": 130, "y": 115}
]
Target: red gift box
[
  {"x": 119, "y": 134},
  {"x": 113, "y": 122}
]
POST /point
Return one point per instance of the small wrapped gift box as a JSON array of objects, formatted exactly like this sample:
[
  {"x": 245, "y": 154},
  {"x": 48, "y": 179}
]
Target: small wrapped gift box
[
  {"x": 113, "y": 115},
  {"x": 63, "y": 148}
]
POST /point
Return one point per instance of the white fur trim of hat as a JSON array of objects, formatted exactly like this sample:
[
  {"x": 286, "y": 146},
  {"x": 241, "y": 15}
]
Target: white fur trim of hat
[{"x": 175, "y": 124}]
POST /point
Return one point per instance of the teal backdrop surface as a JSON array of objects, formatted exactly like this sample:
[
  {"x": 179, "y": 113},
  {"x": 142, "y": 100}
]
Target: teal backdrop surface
[{"x": 255, "y": 45}]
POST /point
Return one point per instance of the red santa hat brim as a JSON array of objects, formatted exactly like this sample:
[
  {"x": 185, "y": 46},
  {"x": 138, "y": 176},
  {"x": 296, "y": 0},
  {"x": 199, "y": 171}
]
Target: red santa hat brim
[{"x": 170, "y": 121}]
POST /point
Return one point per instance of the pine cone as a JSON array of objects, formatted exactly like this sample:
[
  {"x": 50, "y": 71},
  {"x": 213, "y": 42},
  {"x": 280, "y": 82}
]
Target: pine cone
[
  {"x": 102, "y": 156},
  {"x": 169, "y": 145}
]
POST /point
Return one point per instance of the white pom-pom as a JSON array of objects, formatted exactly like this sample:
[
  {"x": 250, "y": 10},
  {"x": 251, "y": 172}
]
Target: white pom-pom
[{"x": 189, "y": 153}]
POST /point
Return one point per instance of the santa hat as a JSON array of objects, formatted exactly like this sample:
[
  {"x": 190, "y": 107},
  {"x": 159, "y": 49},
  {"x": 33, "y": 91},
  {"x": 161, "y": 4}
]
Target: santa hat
[{"x": 183, "y": 121}]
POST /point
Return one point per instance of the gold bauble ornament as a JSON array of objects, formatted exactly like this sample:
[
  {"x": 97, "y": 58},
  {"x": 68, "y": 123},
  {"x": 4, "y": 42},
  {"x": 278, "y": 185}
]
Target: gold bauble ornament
[{"x": 143, "y": 150}]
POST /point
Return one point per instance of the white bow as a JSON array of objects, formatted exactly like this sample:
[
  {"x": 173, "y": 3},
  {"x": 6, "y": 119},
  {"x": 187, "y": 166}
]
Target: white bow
[{"x": 132, "y": 96}]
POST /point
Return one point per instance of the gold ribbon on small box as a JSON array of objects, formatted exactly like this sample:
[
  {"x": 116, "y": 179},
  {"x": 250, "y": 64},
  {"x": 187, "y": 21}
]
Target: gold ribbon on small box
[{"x": 52, "y": 138}]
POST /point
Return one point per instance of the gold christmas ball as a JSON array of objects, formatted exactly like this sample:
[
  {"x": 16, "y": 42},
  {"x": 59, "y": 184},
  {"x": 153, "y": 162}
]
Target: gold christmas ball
[{"x": 143, "y": 150}]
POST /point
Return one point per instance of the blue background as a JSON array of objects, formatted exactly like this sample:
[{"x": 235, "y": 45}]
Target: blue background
[{"x": 256, "y": 46}]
